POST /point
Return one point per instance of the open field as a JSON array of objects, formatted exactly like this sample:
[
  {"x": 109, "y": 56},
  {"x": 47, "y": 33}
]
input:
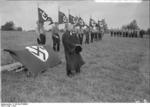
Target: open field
[{"x": 116, "y": 70}]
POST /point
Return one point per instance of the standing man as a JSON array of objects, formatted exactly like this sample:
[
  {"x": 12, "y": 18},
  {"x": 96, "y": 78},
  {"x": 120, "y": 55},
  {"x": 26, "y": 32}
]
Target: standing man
[
  {"x": 56, "y": 37},
  {"x": 92, "y": 34},
  {"x": 81, "y": 35},
  {"x": 87, "y": 36},
  {"x": 100, "y": 34},
  {"x": 41, "y": 32},
  {"x": 72, "y": 50}
]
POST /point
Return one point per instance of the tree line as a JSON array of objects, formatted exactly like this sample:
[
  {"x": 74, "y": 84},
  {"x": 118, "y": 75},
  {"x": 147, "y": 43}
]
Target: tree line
[{"x": 10, "y": 26}]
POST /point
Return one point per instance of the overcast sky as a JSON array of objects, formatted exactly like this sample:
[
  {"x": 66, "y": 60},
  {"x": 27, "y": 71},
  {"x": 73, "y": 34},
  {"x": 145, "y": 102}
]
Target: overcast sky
[{"x": 24, "y": 13}]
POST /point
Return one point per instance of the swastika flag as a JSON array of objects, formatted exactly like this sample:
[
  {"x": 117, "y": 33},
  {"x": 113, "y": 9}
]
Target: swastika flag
[
  {"x": 71, "y": 19},
  {"x": 62, "y": 18},
  {"x": 92, "y": 22},
  {"x": 43, "y": 17},
  {"x": 35, "y": 58}
]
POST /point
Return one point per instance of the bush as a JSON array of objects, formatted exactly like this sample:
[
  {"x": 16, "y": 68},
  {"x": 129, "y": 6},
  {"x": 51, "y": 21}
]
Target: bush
[{"x": 8, "y": 26}]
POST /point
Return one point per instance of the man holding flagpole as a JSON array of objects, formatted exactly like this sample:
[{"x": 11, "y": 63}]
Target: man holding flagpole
[
  {"x": 56, "y": 37},
  {"x": 41, "y": 32},
  {"x": 42, "y": 17}
]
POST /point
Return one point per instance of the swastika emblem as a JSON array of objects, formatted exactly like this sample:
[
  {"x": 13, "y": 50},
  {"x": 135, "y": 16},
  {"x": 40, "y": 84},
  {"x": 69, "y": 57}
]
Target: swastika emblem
[
  {"x": 38, "y": 51},
  {"x": 64, "y": 19}
]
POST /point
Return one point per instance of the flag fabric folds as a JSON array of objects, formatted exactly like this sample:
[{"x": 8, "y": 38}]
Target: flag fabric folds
[
  {"x": 80, "y": 22},
  {"x": 92, "y": 22},
  {"x": 62, "y": 18},
  {"x": 43, "y": 17},
  {"x": 100, "y": 23},
  {"x": 72, "y": 19},
  {"x": 35, "y": 58}
]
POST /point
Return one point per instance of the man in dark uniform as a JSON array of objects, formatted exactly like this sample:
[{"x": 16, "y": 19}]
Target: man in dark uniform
[
  {"x": 40, "y": 31},
  {"x": 114, "y": 33},
  {"x": 81, "y": 35},
  {"x": 97, "y": 33},
  {"x": 130, "y": 35},
  {"x": 72, "y": 50},
  {"x": 92, "y": 34},
  {"x": 111, "y": 33},
  {"x": 141, "y": 33},
  {"x": 87, "y": 36},
  {"x": 56, "y": 37},
  {"x": 136, "y": 34}
]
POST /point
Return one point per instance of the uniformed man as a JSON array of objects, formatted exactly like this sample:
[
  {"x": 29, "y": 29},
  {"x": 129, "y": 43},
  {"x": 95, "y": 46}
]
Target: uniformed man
[
  {"x": 81, "y": 35},
  {"x": 99, "y": 34},
  {"x": 141, "y": 33},
  {"x": 130, "y": 34},
  {"x": 56, "y": 37},
  {"x": 92, "y": 34},
  {"x": 72, "y": 50},
  {"x": 87, "y": 36},
  {"x": 111, "y": 33},
  {"x": 41, "y": 32},
  {"x": 114, "y": 33}
]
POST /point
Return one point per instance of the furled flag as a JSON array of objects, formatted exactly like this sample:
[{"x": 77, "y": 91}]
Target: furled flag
[
  {"x": 35, "y": 58},
  {"x": 72, "y": 19},
  {"x": 92, "y": 22},
  {"x": 43, "y": 17},
  {"x": 62, "y": 18}
]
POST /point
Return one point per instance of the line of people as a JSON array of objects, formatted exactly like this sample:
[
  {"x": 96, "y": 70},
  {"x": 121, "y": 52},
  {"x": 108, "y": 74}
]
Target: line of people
[
  {"x": 88, "y": 33},
  {"x": 72, "y": 40},
  {"x": 129, "y": 33}
]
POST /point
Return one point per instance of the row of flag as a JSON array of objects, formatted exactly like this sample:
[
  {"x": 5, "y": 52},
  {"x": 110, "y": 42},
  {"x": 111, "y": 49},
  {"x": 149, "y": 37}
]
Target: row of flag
[
  {"x": 39, "y": 58},
  {"x": 62, "y": 18}
]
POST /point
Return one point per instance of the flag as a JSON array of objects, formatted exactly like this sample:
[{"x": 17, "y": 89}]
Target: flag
[
  {"x": 80, "y": 22},
  {"x": 76, "y": 19},
  {"x": 50, "y": 20},
  {"x": 72, "y": 19},
  {"x": 43, "y": 17},
  {"x": 92, "y": 22},
  {"x": 35, "y": 58},
  {"x": 62, "y": 18},
  {"x": 100, "y": 23}
]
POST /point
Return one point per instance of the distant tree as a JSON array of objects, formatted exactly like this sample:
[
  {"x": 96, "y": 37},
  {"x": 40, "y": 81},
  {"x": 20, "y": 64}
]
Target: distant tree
[
  {"x": 32, "y": 30},
  {"x": 148, "y": 31},
  {"x": 132, "y": 25},
  {"x": 142, "y": 33},
  {"x": 124, "y": 27},
  {"x": 19, "y": 29},
  {"x": 8, "y": 26}
]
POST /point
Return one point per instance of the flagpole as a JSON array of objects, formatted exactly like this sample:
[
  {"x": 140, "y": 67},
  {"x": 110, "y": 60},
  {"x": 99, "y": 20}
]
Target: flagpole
[
  {"x": 38, "y": 27},
  {"x": 38, "y": 10},
  {"x": 58, "y": 12},
  {"x": 68, "y": 14}
]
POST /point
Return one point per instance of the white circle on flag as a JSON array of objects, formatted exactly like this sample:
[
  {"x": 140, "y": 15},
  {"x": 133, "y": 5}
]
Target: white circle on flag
[
  {"x": 38, "y": 51},
  {"x": 44, "y": 16},
  {"x": 64, "y": 19}
]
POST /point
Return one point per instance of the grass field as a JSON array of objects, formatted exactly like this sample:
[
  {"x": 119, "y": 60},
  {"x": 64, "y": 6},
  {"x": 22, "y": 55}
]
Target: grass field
[{"x": 116, "y": 70}]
